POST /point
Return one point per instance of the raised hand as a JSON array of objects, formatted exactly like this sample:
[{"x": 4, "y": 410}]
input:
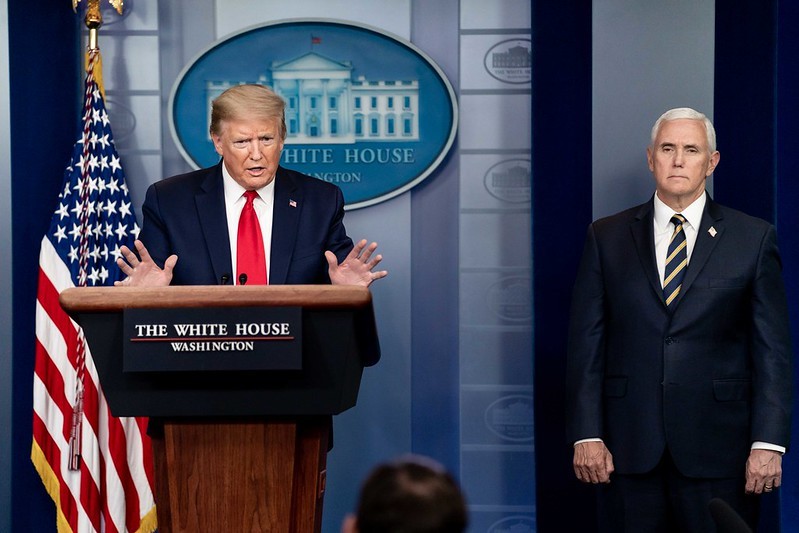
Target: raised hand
[
  {"x": 142, "y": 271},
  {"x": 357, "y": 268}
]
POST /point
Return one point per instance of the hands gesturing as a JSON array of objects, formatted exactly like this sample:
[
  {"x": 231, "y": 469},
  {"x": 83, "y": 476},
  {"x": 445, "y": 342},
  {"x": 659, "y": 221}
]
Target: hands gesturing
[
  {"x": 142, "y": 271},
  {"x": 357, "y": 268}
]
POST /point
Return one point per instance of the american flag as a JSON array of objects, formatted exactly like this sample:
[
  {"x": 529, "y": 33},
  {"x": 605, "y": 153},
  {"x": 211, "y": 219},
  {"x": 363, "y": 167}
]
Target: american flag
[{"x": 97, "y": 468}]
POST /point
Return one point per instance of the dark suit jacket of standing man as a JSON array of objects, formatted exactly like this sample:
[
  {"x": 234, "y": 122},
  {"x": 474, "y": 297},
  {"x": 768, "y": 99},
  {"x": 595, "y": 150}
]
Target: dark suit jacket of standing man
[
  {"x": 185, "y": 215},
  {"x": 705, "y": 377}
]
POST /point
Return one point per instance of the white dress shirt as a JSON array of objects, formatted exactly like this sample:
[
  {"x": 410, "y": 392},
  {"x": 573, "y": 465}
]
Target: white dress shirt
[{"x": 234, "y": 203}]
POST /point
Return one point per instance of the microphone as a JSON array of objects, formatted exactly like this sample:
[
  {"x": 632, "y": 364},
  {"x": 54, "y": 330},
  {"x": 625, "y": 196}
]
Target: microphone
[
  {"x": 225, "y": 279},
  {"x": 726, "y": 519},
  {"x": 242, "y": 279}
]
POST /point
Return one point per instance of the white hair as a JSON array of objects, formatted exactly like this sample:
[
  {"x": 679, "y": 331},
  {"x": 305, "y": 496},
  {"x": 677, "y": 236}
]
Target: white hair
[{"x": 686, "y": 112}]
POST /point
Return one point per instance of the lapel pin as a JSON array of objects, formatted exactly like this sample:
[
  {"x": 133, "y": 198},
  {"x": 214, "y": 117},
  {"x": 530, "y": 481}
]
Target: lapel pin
[
  {"x": 292, "y": 203},
  {"x": 712, "y": 231}
]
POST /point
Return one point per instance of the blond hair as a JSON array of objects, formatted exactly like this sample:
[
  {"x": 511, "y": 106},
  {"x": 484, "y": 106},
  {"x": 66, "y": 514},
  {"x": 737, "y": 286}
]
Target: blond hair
[{"x": 247, "y": 101}]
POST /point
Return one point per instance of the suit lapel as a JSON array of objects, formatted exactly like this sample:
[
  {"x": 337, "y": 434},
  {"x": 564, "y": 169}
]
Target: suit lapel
[
  {"x": 644, "y": 238},
  {"x": 285, "y": 221},
  {"x": 705, "y": 243},
  {"x": 210, "y": 202}
]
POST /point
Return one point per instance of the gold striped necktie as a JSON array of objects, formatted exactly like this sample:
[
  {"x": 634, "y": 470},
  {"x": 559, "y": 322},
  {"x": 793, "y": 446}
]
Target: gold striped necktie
[{"x": 676, "y": 261}]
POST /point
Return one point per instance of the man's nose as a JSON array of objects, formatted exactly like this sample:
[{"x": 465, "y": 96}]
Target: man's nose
[
  {"x": 255, "y": 150},
  {"x": 679, "y": 158}
]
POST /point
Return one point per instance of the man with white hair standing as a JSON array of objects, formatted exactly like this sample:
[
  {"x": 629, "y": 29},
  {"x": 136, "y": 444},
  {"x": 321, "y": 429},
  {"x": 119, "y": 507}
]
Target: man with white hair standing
[{"x": 679, "y": 359}]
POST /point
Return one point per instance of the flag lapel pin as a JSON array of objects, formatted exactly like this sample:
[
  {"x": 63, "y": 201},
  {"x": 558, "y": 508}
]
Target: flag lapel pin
[{"x": 712, "y": 231}]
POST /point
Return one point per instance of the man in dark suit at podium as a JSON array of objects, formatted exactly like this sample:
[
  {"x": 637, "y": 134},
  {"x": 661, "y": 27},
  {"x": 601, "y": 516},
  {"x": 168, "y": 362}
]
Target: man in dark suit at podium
[
  {"x": 246, "y": 219},
  {"x": 679, "y": 359}
]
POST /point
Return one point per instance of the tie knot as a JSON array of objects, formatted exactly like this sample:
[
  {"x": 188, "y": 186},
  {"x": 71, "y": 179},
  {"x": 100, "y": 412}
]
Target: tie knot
[
  {"x": 677, "y": 220},
  {"x": 249, "y": 196}
]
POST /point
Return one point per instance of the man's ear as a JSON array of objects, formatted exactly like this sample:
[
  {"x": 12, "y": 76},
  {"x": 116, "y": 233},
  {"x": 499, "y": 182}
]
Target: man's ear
[
  {"x": 649, "y": 160},
  {"x": 715, "y": 157},
  {"x": 350, "y": 524}
]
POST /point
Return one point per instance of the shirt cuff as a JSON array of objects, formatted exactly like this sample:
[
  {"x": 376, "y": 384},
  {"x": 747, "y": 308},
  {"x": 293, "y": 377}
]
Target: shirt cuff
[
  {"x": 758, "y": 445},
  {"x": 594, "y": 439}
]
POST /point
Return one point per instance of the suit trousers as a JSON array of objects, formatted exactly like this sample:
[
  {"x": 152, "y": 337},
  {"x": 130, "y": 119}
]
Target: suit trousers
[{"x": 665, "y": 501}]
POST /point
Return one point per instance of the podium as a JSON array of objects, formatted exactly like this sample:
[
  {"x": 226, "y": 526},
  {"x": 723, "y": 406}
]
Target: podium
[{"x": 240, "y": 439}]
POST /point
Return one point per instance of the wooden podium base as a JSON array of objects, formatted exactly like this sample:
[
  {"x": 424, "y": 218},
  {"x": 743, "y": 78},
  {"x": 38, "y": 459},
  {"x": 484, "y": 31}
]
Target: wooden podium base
[{"x": 263, "y": 475}]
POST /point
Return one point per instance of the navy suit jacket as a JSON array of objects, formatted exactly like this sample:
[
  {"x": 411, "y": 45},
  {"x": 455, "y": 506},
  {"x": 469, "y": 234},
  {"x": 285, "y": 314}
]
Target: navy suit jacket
[
  {"x": 706, "y": 376},
  {"x": 185, "y": 215}
]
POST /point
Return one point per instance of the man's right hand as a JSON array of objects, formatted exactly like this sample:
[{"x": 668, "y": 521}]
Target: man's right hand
[
  {"x": 593, "y": 462},
  {"x": 142, "y": 271}
]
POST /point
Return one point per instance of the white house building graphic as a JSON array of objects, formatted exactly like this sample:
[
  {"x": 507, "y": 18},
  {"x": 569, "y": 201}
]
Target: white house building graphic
[{"x": 325, "y": 105}]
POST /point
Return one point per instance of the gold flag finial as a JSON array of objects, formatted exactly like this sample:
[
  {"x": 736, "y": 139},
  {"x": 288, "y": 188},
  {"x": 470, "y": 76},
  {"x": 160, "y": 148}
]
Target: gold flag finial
[{"x": 94, "y": 18}]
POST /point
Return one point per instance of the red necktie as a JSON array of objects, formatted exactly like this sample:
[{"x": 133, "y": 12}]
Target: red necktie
[{"x": 250, "y": 259}]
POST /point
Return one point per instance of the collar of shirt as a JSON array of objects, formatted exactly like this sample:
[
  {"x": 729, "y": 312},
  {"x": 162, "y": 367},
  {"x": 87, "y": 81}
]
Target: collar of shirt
[{"x": 692, "y": 213}]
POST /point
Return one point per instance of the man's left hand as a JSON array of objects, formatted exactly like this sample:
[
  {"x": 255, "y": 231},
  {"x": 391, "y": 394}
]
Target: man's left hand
[
  {"x": 357, "y": 268},
  {"x": 763, "y": 471}
]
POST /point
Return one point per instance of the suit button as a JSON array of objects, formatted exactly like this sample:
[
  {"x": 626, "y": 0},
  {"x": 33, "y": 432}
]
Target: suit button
[{"x": 670, "y": 340}]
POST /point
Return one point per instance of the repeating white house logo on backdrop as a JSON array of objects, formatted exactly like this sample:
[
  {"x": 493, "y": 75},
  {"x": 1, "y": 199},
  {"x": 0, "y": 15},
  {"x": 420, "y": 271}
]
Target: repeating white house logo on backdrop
[
  {"x": 511, "y": 418},
  {"x": 510, "y": 181},
  {"x": 365, "y": 109},
  {"x": 509, "y": 299},
  {"x": 510, "y": 61}
]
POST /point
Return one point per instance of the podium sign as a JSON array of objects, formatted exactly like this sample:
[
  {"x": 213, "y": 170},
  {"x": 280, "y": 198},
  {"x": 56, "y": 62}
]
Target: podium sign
[{"x": 212, "y": 338}]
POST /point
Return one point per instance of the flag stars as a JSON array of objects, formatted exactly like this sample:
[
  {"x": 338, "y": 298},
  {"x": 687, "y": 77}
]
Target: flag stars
[
  {"x": 78, "y": 209},
  {"x": 110, "y": 207},
  {"x": 73, "y": 254},
  {"x": 124, "y": 209},
  {"x": 75, "y": 232},
  {"x": 62, "y": 211},
  {"x": 95, "y": 254},
  {"x": 60, "y": 233},
  {"x": 81, "y": 163},
  {"x": 93, "y": 163},
  {"x": 94, "y": 276},
  {"x": 115, "y": 165},
  {"x": 121, "y": 231}
]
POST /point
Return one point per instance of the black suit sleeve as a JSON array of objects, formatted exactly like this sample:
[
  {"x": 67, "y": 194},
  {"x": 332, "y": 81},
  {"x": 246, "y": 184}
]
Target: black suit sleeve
[
  {"x": 771, "y": 349},
  {"x": 586, "y": 347}
]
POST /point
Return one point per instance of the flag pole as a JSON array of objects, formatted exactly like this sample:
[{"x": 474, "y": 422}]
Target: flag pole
[{"x": 93, "y": 21}]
